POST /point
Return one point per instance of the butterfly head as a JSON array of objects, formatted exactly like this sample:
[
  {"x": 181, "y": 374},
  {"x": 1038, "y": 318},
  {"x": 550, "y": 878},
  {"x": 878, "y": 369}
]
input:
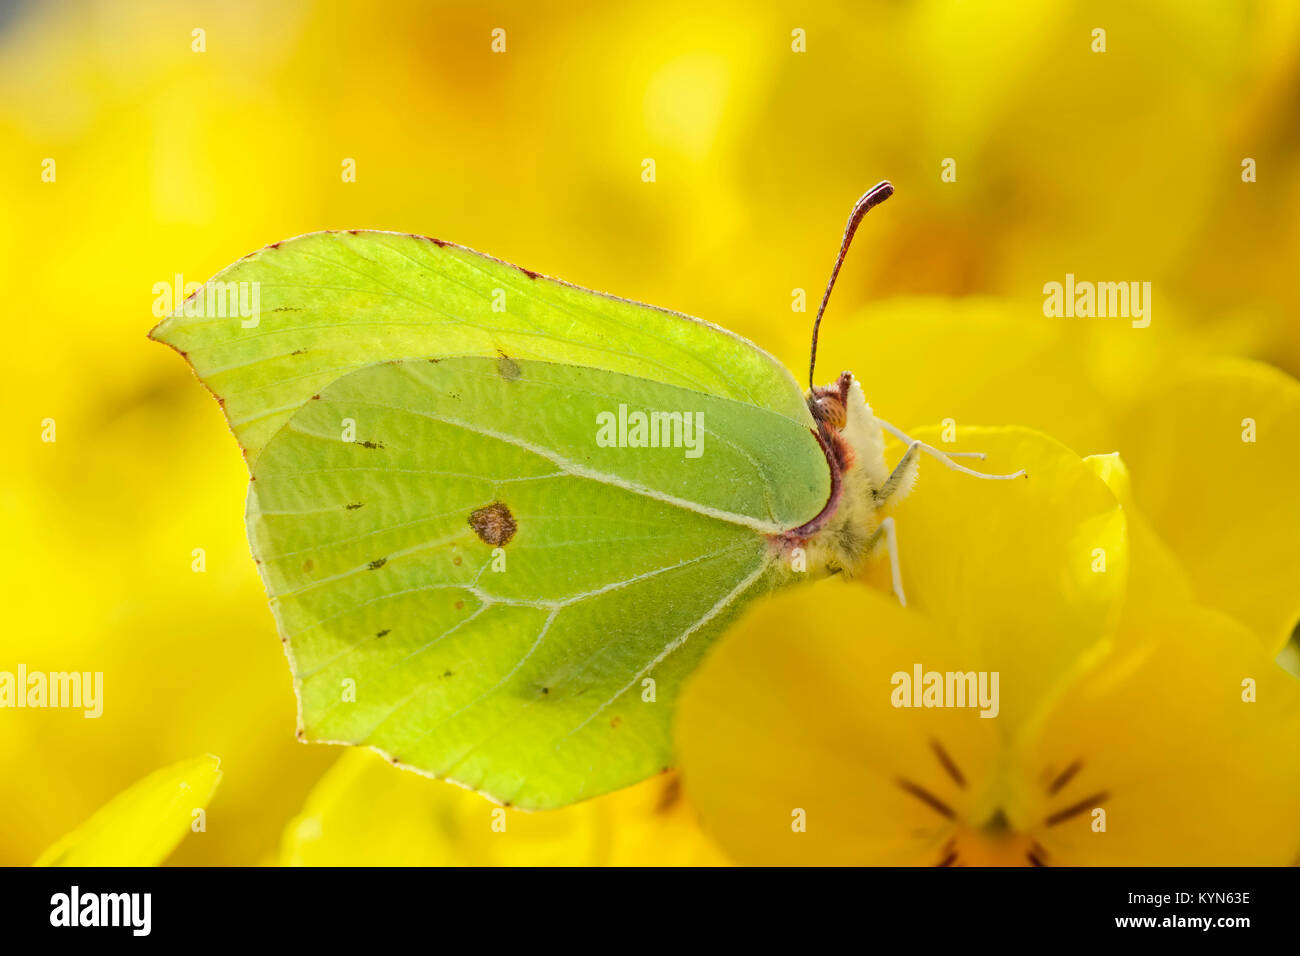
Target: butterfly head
[
  {"x": 837, "y": 539},
  {"x": 848, "y": 428},
  {"x": 829, "y": 403}
]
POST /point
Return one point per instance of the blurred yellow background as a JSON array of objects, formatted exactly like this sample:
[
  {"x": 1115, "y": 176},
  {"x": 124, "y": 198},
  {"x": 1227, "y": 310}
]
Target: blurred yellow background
[{"x": 1122, "y": 165}]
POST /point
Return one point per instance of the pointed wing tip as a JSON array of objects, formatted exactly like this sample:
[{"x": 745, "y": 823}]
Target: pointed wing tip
[{"x": 160, "y": 333}]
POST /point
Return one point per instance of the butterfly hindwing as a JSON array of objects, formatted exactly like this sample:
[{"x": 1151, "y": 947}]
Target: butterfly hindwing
[{"x": 469, "y": 582}]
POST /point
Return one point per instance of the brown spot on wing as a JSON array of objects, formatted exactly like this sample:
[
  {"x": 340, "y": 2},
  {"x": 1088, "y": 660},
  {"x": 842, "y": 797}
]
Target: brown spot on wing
[
  {"x": 507, "y": 367},
  {"x": 494, "y": 524}
]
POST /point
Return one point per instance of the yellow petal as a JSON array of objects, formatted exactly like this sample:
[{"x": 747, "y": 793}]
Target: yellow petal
[
  {"x": 1029, "y": 572},
  {"x": 1154, "y": 571},
  {"x": 1165, "y": 741},
  {"x": 144, "y": 823},
  {"x": 794, "y": 753},
  {"x": 1228, "y": 507}
]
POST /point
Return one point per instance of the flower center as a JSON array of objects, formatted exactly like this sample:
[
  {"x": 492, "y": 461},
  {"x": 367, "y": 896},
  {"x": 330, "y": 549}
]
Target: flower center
[{"x": 995, "y": 841}]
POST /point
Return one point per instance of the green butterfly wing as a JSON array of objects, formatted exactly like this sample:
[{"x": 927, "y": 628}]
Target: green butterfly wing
[
  {"x": 471, "y": 384},
  {"x": 328, "y": 303},
  {"x": 512, "y": 655}
]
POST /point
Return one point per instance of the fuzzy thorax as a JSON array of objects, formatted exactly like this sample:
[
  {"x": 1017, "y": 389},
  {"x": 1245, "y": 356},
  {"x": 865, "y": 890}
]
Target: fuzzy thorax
[{"x": 842, "y": 537}]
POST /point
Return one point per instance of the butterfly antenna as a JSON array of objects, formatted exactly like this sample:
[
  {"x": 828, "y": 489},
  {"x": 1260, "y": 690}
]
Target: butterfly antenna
[{"x": 872, "y": 198}]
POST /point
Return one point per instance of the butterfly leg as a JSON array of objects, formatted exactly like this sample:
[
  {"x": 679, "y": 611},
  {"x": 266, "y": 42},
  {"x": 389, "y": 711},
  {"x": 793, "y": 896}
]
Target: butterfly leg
[
  {"x": 901, "y": 478},
  {"x": 885, "y": 534},
  {"x": 945, "y": 457}
]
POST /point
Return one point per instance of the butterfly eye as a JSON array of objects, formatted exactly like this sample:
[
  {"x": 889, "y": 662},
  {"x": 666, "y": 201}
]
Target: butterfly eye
[{"x": 828, "y": 409}]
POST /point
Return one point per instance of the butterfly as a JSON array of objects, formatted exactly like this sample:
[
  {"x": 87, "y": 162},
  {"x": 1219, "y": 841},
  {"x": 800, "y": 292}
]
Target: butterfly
[{"x": 500, "y": 518}]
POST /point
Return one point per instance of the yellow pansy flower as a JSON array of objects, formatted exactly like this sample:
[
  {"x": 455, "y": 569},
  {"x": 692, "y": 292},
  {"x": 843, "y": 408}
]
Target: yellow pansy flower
[{"x": 1125, "y": 725}]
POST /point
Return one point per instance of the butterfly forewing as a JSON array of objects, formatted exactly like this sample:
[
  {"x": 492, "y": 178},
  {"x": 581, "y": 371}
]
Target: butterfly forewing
[{"x": 328, "y": 303}]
